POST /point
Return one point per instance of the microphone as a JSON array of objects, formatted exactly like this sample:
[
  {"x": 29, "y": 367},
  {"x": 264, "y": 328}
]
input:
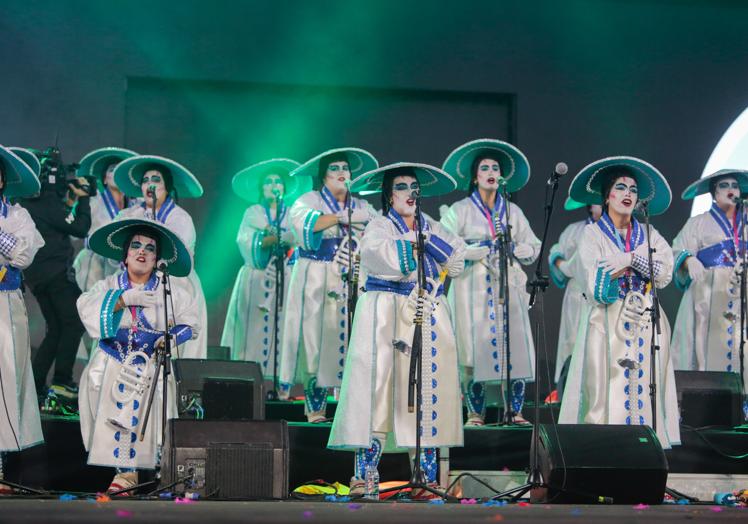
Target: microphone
[
  {"x": 151, "y": 191},
  {"x": 276, "y": 193},
  {"x": 560, "y": 170},
  {"x": 415, "y": 194},
  {"x": 737, "y": 200},
  {"x": 162, "y": 264}
]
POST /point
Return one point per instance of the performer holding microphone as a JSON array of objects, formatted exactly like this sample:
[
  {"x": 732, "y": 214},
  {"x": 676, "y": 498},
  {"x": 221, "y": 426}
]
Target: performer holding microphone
[
  {"x": 373, "y": 413},
  {"x": 611, "y": 373},
  {"x": 487, "y": 221},
  {"x": 708, "y": 252},
  {"x": 125, "y": 312},
  {"x": 315, "y": 326}
]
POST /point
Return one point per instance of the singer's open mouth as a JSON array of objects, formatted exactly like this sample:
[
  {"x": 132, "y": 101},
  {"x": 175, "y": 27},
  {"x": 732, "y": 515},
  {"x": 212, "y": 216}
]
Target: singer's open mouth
[
  {"x": 730, "y": 196},
  {"x": 410, "y": 201},
  {"x": 140, "y": 259},
  {"x": 341, "y": 179},
  {"x": 626, "y": 202},
  {"x": 492, "y": 180}
]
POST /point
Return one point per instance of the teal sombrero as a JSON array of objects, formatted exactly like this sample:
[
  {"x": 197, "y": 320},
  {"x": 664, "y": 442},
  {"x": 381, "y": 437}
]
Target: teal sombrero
[
  {"x": 129, "y": 173},
  {"x": 433, "y": 181},
  {"x": 359, "y": 161},
  {"x": 20, "y": 179},
  {"x": 701, "y": 186},
  {"x": 515, "y": 168},
  {"x": 247, "y": 183},
  {"x": 653, "y": 188},
  {"x": 108, "y": 241},
  {"x": 95, "y": 163},
  {"x": 570, "y": 204},
  {"x": 30, "y": 157}
]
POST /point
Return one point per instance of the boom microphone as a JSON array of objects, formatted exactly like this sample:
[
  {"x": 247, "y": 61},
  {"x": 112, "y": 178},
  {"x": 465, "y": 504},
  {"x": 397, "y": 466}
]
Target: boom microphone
[{"x": 560, "y": 170}]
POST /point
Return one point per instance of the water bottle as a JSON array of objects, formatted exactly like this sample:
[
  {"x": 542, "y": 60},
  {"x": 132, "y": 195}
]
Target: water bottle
[{"x": 371, "y": 482}]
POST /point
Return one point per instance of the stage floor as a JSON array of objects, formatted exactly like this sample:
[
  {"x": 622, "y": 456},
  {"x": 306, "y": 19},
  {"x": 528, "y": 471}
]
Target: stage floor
[{"x": 17, "y": 510}]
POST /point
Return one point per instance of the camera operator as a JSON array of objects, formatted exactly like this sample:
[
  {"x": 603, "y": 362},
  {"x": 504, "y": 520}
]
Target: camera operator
[{"x": 61, "y": 210}]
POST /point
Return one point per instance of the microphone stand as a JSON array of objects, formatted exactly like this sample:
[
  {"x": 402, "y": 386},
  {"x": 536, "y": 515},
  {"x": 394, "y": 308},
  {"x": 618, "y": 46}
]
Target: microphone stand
[
  {"x": 504, "y": 244},
  {"x": 351, "y": 276},
  {"x": 280, "y": 276},
  {"x": 743, "y": 293},
  {"x": 415, "y": 384},
  {"x": 539, "y": 283}
]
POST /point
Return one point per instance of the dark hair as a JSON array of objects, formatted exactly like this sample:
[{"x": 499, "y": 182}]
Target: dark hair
[
  {"x": 474, "y": 170},
  {"x": 146, "y": 232},
  {"x": 165, "y": 172},
  {"x": 325, "y": 162},
  {"x": 388, "y": 181},
  {"x": 2, "y": 177},
  {"x": 609, "y": 180}
]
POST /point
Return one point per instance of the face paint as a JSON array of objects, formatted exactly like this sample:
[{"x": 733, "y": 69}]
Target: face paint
[
  {"x": 109, "y": 178},
  {"x": 141, "y": 255},
  {"x": 338, "y": 173},
  {"x": 596, "y": 211},
  {"x": 271, "y": 185},
  {"x": 623, "y": 196},
  {"x": 154, "y": 178},
  {"x": 726, "y": 189},
  {"x": 488, "y": 174},
  {"x": 402, "y": 195}
]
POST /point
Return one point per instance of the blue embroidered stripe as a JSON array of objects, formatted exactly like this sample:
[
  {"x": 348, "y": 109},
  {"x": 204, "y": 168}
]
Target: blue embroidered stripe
[
  {"x": 256, "y": 248},
  {"x": 431, "y": 267},
  {"x": 310, "y": 239},
  {"x": 557, "y": 275},
  {"x": 499, "y": 208},
  {"x": 439, "y": 249},
  {"x": 182, "y": 333},
  {"x": 405, "y": 257},
  {"x": 608, "y": 228},
  {"x": 324, "y": 253},
  {"x": 723, "y": 222},
  {"x": 4, "y": 207},
  {"x": 112, "y": 208},
  {"x": 108, "y": 318},
  {"x": 681, "y": 282},
  {"x": 12, "y": 280},
  {"x": 401, "y": 288},
  {"x": 166, "y": 208},
  {"x": 606, "y": 290}
]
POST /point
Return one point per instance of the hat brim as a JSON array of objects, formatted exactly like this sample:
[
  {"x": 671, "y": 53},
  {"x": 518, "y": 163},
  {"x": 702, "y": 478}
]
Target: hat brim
[
  {"x": 20, "y": 179},
  {"x": 28, "y": 156},
  {"x": 653, "y": 188},
  {"x": 129, "y": 173},
  {"x": 433, "y": 181},
  {"x": 701, "y": 186},
  {"x": 247, "y": 183},
  {"x": 515, "y": 168},
  {"x": 108, "y": 241},
  {"x": 359, "y": 161},
  {"x": 95, "y": 163},
  {"x": 570, "y": 204}
]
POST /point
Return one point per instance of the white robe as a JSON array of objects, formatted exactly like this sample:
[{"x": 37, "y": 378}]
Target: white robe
[
  {"x": 574, "y": 301},
  {"x": 180, "y": 222},
  {"x": 106, "y": 444},
  {"x": 374, "y": 394},
  {"x": 706, "y": 336},
  {"x": 473, "y": 296},
  {"x": 20, "y": 426},
  {"x": 248, "y": 330},
  {"x": 598, "y": 389},
  {"x": 315, "y": 333}
]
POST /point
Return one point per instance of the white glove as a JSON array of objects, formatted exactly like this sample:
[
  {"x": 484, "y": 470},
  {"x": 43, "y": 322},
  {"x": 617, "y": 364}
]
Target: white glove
[
  {"x": 414, "y": 304},
  {"x": 287, "y": 237},
  {"x": 523, "y": 251},
  {"x": 695, "y": 268},
  {"x": 616, "y": 262},
  {"x": 443, "y": 210},
  {"x": 476, "y": 252},
  {"x": 139, "y": 297},
  {"x": 358, "y": 216}
]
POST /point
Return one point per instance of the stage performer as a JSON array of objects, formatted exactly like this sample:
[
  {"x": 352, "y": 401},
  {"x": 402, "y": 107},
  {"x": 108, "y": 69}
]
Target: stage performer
[
  {"x": 708, "y": 269},
  {"x": 561, "y": 264},
  {"x": 372, "y": 414},
  {"x": 315, "y": 325},
  {"x": 609, "y": 376},
  {"x": 482, "y": 167},
  {"x": 125, "y": 312},
  {"x": 249, "y": 325},
  {"x": 109, "y": 201},
  {"x": 20, "y": 427},
  {"x": 164, "y": 181}
]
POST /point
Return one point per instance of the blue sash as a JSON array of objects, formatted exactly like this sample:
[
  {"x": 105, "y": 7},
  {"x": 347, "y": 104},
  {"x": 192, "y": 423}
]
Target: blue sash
[
  {"x": 12, "y": 280},
  {"x": 721, "y": 254},
  {"x": 401, "y": 288},
  {"x": 325, "y": 253}
]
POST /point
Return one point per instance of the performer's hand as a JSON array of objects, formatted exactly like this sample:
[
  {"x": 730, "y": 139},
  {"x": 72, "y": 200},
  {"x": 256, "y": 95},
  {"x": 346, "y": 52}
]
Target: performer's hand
[
  {"x": 269, "y": 241},
  {"x": 139, "y": 297},
  {"x": 695, "y": 268},
  {"x": 443, "y": 210},
  {"x": 476, "y": 252},
  {"x": 358, "y": 216},
  {"x": 617, "y": 262},
  {"x": 287, "y": 237},
  {"x": 410, "y": 236},
  {"x": 523, "y": 251}
]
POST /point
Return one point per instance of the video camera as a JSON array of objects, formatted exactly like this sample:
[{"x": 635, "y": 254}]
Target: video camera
[{"x": 55, "y": 174}]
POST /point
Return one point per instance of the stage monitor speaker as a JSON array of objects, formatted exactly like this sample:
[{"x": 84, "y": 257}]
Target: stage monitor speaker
[
  {"x": 237, "y": 460},
  {"x": 220, "y": 390},
  {"x": 709, "y": 398},
  {"x": 219, "y": 353},
  {"x": 588, "y": 463}
]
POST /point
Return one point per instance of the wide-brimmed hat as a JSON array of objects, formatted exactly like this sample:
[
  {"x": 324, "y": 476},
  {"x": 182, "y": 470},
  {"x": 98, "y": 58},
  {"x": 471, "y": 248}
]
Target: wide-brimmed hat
[
  {"x": 515, "y": 168},
  {"x": 587, "y": 185},
  {"x": 359, "y": 161},
  {"x": 129, "y": 173},
  {"x": 433, "y": 181},
  {"x": 95, "y": 163},
  {"x": 30, "y": 156},
  {"x": 701, "y": 186},
  {"x": 247, "y": 183},
  {"x": 570, "y": 204},
  {"x": 108, "y": 241},
  {"x": 20, "y": 178}
]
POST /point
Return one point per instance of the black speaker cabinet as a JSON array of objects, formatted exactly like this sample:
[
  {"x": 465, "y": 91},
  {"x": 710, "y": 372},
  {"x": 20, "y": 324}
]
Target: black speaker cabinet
[
  {"x": 228, "y": 460},
  {"x": 220, "y": 390},
  {"x": 582, "y": 463},
  {"x": 709, "y": 398}
]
